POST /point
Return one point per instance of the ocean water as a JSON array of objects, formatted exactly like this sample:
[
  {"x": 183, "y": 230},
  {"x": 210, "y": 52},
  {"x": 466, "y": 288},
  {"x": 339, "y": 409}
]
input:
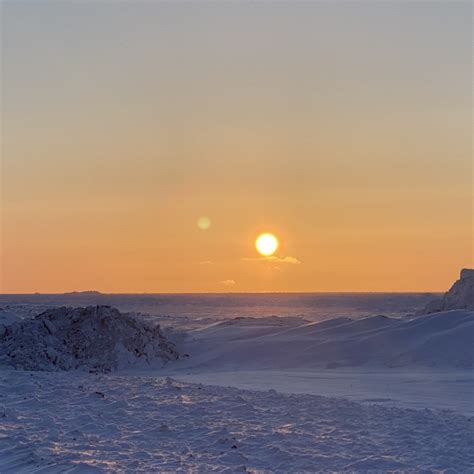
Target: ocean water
[{"x": 310, "y": 306}]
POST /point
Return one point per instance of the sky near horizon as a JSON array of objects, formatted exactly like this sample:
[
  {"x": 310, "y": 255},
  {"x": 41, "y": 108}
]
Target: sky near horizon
[{"x": 343, "y": 128}]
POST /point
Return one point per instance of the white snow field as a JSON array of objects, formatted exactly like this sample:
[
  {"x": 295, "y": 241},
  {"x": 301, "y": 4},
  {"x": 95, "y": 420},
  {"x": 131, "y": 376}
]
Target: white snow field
[
  {"x": 370, "y": 394},
  {"x": 72, "y": 422}
]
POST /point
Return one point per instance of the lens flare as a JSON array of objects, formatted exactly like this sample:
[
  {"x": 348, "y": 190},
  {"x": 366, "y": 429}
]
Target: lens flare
[{"x": 204, "y": 223}]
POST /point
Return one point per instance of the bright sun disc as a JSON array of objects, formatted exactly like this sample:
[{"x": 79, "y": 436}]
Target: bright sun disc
[{"x": 266, "y": 244}]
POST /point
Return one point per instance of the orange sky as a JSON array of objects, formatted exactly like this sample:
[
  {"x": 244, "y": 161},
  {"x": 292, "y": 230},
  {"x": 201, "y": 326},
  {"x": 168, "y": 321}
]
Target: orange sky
[{"x": 344, "y": 129}]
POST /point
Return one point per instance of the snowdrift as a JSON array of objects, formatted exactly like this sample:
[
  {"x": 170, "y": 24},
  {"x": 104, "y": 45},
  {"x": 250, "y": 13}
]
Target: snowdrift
[
  {"x": 436, "y": 340},
  {"x": 97, "y": 338}
]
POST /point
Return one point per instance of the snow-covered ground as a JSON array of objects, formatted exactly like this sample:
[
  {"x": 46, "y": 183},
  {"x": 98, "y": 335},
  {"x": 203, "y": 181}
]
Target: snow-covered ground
[
  {"x": 76, "y": 422},
  {"x": 399, "y": 397},
  {"x": 434, "y": 389}
]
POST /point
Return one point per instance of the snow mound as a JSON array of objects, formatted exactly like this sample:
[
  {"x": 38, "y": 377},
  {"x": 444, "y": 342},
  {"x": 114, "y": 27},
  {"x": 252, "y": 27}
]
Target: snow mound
[
  {"x": 98, "y": 338},
  {"x": 460, "y": 295}
]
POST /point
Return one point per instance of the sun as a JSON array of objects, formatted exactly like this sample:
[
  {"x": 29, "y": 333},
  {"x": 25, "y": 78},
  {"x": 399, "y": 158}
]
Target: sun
[{"x": 266, "y": 244}]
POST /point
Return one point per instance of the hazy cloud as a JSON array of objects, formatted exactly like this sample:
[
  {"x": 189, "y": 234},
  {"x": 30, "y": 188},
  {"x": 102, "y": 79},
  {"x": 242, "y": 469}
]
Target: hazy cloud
[
  {"x": 274, "y": 259},
  {"x": 206, "y": 262},
  {"x": 292, "y": 260},
  {"x": 228, "y": 282}
]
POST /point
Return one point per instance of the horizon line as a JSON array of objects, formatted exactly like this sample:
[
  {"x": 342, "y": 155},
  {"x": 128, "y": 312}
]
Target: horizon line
[{"x": 218, "y": 292}]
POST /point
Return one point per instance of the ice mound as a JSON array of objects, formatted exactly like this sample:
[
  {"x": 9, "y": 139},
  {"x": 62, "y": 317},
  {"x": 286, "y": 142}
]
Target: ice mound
[
  {"x": 460, "y": 295},
  {"x": 98, "y": 338}
]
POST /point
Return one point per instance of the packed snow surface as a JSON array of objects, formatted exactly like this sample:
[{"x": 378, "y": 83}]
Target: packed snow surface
[
  {"x": 449, "y": 389},
  {"x": 95, "y": 338},
  {"x": 78, "y": 422}
]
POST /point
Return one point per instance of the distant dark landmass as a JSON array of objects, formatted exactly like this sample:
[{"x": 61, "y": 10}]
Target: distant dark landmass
[{"x": 79, "y": 293}]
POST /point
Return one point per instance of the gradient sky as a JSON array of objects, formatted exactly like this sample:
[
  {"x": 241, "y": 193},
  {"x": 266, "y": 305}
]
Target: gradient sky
[{"x": 342, "y": 127}]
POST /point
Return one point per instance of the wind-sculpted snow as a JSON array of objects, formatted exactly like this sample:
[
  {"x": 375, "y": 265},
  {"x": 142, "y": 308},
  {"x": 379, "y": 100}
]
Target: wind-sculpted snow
[
  {"x": 435, "y": 340},
  {"x": 76, "y": 422},
  {"x": 96, "y": 338}
]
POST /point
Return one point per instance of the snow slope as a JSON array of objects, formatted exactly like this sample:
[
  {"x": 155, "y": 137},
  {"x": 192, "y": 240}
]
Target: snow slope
[
  {"x": 435, "y": 340},
  {"x": 82, "y": 423}
]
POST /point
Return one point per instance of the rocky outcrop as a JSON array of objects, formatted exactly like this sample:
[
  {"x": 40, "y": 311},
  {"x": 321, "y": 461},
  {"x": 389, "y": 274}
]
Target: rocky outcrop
[
  {"x": 460, "y": 295},
  {"x": 98, "y": 338}
]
